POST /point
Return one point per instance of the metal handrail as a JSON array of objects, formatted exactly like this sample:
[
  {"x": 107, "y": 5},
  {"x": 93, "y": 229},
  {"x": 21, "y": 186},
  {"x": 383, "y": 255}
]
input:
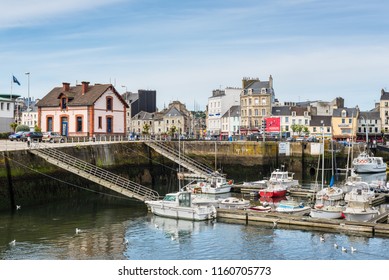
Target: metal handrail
[
  {"x": 176, "y": 156},
  {"x": 146, "y": 193}
]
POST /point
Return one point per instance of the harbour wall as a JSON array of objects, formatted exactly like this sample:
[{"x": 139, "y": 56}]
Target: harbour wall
[{"x": 26, "y": 179}]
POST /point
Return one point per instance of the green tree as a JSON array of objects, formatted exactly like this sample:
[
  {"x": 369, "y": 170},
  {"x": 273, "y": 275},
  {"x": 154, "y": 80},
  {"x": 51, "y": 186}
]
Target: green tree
[
  {"x": 172, "y": 130},
  {"x": 13, "y": 126},
  {"x": 22, "y": 127},
  {"x": 37, "y": 129},
  {"x": 146, "y": 129}
]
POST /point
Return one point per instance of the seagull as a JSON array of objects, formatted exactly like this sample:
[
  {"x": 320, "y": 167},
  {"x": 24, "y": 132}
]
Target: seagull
[
  {"x": 344, "y": 249},
  {"x": 78, "y": 230},
  {"x": 353, "y": 249},
  {"x": 275, "y": 223},
  {"x": 172, "y": 238},
  {"x": 18, "y": 207},
  {"x": 156, "y": 226},
  {"x": 125, "y": 241},
  {"x": 12, "y": 243},
  {"x": 321, "y": 239},
  {"x": 335, "y": 246}
]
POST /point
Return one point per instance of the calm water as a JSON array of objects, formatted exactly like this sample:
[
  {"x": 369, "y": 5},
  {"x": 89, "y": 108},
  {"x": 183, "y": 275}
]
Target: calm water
[{"x": 48, "y": 232}]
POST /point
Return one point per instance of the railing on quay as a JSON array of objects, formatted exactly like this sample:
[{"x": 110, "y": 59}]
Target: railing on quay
[
  {"x": 139, "y": 190},
  {"x": 178, "y": 157}
]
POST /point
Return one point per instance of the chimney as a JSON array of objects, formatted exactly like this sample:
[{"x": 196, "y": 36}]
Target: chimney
[
  {"x": 65, "y": 86},
  {"x": 84, "y": 87}
]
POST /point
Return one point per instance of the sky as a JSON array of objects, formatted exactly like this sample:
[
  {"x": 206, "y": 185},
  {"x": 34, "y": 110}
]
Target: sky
[{"x": 314, "y": 49}]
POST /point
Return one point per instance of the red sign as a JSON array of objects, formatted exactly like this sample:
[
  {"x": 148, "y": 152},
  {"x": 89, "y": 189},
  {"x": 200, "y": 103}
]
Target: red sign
[{"x": 273, "y": 124}]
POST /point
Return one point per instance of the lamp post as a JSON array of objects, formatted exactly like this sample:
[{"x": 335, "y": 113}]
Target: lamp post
[{"x": 28, "y": 91}]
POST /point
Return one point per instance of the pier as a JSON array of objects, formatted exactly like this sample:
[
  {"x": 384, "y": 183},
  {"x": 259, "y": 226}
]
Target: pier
[{"x": 288, "y": 221}]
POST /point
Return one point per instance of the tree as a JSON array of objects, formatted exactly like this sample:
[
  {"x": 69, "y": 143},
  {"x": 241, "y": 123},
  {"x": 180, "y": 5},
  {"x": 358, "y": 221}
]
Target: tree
[
  {"x": 22, "y": 127},
  {"x": 13, "y": 126},
  {"x": 146, "y": 129},
  {"x": 172, "y": 130},
  {"x": 37, "y": 129}
]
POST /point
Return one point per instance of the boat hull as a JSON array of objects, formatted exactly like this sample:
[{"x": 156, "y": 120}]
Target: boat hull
[
  {"x": 367, "y": 168},
  {"x": 359, "y": 215},
  {"x": 272, "y": 193},
  {"x": 326, "y": 214},
  {"x": 195, "y": 213}
]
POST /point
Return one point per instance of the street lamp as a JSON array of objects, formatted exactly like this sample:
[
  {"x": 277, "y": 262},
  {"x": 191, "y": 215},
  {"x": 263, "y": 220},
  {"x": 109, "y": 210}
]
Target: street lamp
[{"x": 28, "y": 90}]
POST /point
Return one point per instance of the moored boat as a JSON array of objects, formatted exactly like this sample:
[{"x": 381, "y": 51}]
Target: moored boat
[
  {"x": 212, "y": 185},
  {"x": 233, "y": 203},
  {"x": 179, "y": 206},
  {"x": 292, "y": 207},
  {"x": 366, "y": 163},
  {"x": 274, "y": 190}
]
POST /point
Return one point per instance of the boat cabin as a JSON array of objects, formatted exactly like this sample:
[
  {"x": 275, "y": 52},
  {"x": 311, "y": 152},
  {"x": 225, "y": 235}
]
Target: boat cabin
[{"x": 181, "y": 198}]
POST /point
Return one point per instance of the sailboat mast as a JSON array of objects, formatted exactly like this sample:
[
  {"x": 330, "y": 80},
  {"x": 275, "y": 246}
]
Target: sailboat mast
[{"x": 322, "y": 160}]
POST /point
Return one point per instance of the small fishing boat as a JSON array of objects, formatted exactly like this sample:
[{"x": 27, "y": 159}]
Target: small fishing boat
[
  {"x": 283, "y": 178},
  {"x": 233, "y": 203},
  {"x": 274, "y": 190},
  {"x": 179, "y": 206},
  {"x": 293, "y": 208},
  {"x": 366, "y": 163},
  {"x": 359, "y": 205},
  {"x": 327, "y": 212},
  {"x": 212, "y": 185}
]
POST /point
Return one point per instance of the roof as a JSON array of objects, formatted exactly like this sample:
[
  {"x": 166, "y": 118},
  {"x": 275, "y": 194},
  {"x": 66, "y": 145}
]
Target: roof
[
  {"x": 142, "y": 115},
  {"x": 234, "y": 111},
  {"x": 317, "y": 120},
  {"x": 75, "y": 96},
  {"x": 350, "y": 112},
  {"x": 173, "y": 112},
  {"x": 384, "y": 95},
  {"x": 370, "y": 115}
]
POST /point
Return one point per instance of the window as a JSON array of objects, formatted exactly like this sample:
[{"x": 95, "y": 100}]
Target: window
[
  {"x": 286, "y": 119},
  {"x": 343, "y": 121},
  {"x": 2, "y": 106},
  {"x": 79, "y": 124},
  {"x": 350, "y": 120},
  {"x": 109, "y": 124},
  {"x": 263, "y": 101},
  {"x": 256, "y": 101},
  {"x": 109, "y": 103},
  {"x": 263, "y": 112},
  {"x": 50, "y": 124},
  {"x": 100, "y": 122},
  {"x": 8, "y": 106},
  {"x": 293, "y": 114},
  {"x": 256, "y": 112},
  {"x": 63, "y": 103},
  {"x": 344, "y": 113}
]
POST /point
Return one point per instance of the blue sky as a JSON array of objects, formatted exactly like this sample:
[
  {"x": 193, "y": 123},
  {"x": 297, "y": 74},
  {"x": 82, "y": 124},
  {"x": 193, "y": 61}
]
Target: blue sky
[{"x": 314, "y": 49}]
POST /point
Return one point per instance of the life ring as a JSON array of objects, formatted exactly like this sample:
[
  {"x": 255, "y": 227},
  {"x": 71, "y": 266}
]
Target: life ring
[{"x": 230, "y": 182}]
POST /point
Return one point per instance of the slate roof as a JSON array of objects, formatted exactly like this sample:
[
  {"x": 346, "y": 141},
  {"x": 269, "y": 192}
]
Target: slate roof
[
  {"x": 75, "y": 96},
  {"x": 370, "y": 115},
  {"x": 349, "y": 112},
  {"x": 316, "y": 120},
  {"x": 384, "y": 95}
]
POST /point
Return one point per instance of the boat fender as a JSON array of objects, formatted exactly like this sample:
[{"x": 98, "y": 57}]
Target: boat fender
[{"x": 230, "y": 182}]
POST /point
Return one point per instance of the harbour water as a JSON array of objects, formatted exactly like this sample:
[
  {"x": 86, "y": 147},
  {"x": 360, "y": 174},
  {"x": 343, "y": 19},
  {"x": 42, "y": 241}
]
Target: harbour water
[{"x": 119, "y": 230}]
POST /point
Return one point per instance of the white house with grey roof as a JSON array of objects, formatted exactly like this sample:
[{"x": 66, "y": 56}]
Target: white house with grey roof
[
  {"x": 7, "y": 117},
  {"x": 218, "y": 104},
  {"x": 369, "y": 126}
]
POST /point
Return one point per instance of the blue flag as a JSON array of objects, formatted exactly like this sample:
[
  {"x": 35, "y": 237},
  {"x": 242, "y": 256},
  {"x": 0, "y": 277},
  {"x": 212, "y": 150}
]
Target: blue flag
[{"x": 16, "y": 80}]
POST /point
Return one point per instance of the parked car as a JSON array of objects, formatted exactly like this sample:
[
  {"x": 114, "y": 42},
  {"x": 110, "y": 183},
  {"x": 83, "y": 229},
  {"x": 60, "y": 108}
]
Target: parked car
[
  {"x": 15, "y": 136},
  {"x": 290, "y": 139},
  {"x": 53, "y": 137},
  {"x": 35, "y": 136}
]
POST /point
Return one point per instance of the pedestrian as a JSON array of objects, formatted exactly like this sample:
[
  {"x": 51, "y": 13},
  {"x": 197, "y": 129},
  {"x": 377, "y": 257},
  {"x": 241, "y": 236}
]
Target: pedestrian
[{"x": 28, "y": 141}]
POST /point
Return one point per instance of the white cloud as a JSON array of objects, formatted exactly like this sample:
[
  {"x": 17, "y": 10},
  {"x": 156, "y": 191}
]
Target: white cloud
[{"x": 18, "y": 13}]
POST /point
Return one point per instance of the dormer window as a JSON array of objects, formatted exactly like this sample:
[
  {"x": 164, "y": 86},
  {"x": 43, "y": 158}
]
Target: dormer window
[
  {"x": 63, "y": 103},
  {"x": 344, "y": 113}
]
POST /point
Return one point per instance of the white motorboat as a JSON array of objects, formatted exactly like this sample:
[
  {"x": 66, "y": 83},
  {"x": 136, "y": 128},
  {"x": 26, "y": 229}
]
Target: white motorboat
[
  {"x": 213, "y": 185},
  {"x": 360, "y": 192},
  {"x": 179, "y": 206},
  {"x": 366, "y": 163},
  {"x": 359, "y": 205},
  {"x": 234, "y": 203},
  {"x": 283, "y": 178},
  {"x": 329, "y": 194},
  {"x": 293, "y": 208},
  {"x": 327, "y": 212}
]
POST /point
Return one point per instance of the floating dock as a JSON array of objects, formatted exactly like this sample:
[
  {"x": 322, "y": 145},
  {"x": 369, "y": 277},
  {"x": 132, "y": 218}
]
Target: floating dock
[{"x": 287, "y": 221}]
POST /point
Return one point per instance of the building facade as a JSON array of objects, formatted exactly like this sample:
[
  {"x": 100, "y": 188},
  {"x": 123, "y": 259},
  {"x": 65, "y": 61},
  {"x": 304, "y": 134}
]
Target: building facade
[
  {"x": 256, "y": 101},
  {"x": 83, "y": 110}
]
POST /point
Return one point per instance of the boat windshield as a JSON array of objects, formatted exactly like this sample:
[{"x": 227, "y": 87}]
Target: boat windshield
[{"x": 169, "y": 197}]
